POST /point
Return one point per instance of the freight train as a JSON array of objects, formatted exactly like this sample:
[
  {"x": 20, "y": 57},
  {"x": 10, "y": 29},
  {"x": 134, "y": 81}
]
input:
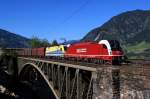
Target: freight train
[{"x": 102, "y": 52}]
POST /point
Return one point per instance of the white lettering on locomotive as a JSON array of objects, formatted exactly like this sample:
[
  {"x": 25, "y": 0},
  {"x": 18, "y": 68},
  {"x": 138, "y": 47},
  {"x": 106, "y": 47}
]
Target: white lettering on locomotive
[{"x": 81, "y": 50}]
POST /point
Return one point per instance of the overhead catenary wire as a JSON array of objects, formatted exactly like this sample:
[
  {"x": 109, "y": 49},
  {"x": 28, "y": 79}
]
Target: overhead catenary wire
[
  {"x": 72, "y": 14},
  {"x": 76, "y": 11}
]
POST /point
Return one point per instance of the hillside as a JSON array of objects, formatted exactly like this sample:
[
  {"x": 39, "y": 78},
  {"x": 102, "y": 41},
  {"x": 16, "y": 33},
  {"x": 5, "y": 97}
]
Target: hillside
[
  {"x": 11, "y": 40},
  {"x": 131, "y": 28}
]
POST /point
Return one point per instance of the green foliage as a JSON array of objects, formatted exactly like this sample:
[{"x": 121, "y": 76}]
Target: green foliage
[
  {"x": 35, "y": 42},
  {"x": 54, "y": 42},
  {"x": 138, "y": 48},
  {"x": 45, "y": 43}
]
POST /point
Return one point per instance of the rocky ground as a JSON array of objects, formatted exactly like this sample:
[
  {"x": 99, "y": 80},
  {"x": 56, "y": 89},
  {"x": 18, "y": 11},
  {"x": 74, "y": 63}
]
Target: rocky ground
[{"x": 17, "y": 90}]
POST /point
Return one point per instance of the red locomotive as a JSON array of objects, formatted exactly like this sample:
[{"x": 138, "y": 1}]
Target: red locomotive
[{"x": 102, "y": 52}]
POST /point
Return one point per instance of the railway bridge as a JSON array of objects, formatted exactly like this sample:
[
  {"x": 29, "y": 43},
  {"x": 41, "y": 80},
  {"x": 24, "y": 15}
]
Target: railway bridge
[
  {"x": 61, "y": 80},
  {"x": 71, "y": 81}
]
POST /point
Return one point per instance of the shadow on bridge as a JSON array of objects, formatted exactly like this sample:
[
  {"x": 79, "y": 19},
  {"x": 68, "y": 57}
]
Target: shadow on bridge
[{"x": 37, "y": 80}]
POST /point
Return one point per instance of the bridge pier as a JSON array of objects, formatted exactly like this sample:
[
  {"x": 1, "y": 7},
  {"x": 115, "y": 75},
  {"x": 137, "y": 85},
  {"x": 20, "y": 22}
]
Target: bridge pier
[{"x": 106, "y": 83}]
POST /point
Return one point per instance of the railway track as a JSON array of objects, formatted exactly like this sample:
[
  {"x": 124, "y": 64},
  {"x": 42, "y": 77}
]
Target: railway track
[{"x": 82, "y": 63}]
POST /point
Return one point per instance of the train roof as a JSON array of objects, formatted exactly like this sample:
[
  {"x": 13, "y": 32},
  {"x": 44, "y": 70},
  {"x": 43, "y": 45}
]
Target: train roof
[{"x": 85, "y": 43}]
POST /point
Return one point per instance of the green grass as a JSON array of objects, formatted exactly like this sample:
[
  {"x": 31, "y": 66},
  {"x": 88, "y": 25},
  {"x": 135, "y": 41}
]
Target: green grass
[
  {"x": 138, "y": 48},
  {"x": 138, "y": 51}
]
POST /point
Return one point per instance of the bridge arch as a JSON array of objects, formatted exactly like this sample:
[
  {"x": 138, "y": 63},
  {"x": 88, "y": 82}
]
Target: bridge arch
[
  {"x": 31, "y": 73},
  {"x": 67, "y": 81}
]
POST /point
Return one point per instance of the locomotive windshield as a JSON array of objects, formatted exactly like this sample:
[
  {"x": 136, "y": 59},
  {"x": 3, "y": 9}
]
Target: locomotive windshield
[
  {"x": 65, "y": 48},
  {"x": 115, "y": 45}
]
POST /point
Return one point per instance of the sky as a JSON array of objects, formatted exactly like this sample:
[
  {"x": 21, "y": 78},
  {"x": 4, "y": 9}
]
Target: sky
[{"x": 57, "y": 19}]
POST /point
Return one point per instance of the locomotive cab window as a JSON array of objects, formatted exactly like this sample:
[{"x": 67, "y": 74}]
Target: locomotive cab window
[{"x": 114, "y": 45}]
